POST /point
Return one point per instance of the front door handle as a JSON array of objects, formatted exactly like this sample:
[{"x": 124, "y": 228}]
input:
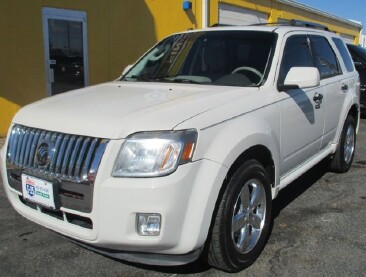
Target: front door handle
[{"x": 318, "y": 97}]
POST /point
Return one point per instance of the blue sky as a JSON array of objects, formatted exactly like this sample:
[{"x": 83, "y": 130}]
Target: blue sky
[{"x": 349, "y": 9}]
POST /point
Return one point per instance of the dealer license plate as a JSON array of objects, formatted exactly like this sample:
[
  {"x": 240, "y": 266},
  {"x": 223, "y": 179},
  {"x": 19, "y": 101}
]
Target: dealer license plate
[{"x": 38, "y": 191}]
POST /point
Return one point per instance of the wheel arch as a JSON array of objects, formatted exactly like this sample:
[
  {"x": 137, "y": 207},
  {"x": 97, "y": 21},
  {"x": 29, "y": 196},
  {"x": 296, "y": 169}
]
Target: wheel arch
[
  {"x": 257, "y": 152},
  {"x": 354, "y": 111}
]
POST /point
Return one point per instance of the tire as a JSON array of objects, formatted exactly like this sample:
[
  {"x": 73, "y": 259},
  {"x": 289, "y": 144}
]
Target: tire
[
  {"x": 240, "y": 228},
  {"x": 342, "y": 160}
]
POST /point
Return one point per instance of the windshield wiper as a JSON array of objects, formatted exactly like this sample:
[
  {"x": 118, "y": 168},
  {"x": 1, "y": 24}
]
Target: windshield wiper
[
  {"x": 185, "y": 80},
  {"x": 162, "y": 79},
  {"x": 137, "y": 78}
]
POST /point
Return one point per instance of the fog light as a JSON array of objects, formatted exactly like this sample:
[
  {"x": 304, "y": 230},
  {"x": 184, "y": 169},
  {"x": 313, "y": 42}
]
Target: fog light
[{"x": 148, "y": 224}]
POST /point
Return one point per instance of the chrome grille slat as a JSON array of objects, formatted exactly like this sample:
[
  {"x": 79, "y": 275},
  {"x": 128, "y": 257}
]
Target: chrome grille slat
[
  {"x": 27, "y": 149},
  {"x": 71, "y": 157},
  {"x": 61, "y": 154},
  {"x": 81, "y": 157},
  {"x": 12, "y": 145},
  {"x": 24, "y": 145},
  {"x": 19, "y": 146},
  {"x": 58, "y": 139},
  {"x": 33, "y": 148},
  {"x": 87, "y": 162},
  {"x": 67, "y": 155}
]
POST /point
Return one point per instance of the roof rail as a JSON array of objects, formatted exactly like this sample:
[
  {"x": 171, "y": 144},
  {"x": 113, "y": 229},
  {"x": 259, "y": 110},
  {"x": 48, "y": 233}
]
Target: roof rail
[
  {"x": 221, "y": 25},
  {"x": 292, "y": 22},
  {"x": 301, "y": 23}
]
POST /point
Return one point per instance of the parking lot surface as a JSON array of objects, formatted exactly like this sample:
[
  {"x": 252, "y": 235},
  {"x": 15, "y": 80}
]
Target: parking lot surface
[{"x": 319, "y": 230}]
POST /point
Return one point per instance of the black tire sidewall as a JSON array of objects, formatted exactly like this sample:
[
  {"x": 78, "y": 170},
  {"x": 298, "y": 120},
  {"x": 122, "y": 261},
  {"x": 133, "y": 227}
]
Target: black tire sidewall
[
  {"x": 249, "y": 170},
  {"x": 346, "y": 166}
]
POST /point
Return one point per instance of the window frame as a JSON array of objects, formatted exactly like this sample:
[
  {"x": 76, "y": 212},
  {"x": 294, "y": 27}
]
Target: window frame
[
  {"x": 322, "y": 77},
  {"x": 346, "y": 55}
]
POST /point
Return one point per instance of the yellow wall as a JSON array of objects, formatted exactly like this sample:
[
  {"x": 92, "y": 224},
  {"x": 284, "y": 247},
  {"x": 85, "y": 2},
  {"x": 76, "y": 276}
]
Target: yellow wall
[
  {"x": 119, "y": 31},
  {"x": 136, "y": 25},
  {"x": 6, "y": 117}
]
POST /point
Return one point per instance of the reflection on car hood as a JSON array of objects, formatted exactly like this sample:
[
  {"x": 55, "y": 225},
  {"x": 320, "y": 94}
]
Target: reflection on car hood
[{"x": 115, "y": 110}]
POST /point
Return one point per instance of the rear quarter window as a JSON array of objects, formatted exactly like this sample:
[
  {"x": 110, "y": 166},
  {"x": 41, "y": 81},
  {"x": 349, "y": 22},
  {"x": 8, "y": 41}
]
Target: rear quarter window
[{"x": 344, "y": 53}]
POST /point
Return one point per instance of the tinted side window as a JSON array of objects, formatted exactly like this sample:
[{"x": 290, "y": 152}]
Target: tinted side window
[
  {"x": 344, "y": 53},
  {"x": 324, "y": 57},
  {"x": 296, "y": 53}
]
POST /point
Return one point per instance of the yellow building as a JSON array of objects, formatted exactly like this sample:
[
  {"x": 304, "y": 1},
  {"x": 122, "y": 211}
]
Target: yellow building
[{"x": 51, "y": 46}]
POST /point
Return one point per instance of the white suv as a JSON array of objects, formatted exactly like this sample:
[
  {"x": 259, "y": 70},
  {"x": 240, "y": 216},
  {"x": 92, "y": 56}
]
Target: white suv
[{"x": 182, "y": 156}]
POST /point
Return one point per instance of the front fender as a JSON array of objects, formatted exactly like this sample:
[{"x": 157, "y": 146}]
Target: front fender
[{"x": 225, "y": 142}]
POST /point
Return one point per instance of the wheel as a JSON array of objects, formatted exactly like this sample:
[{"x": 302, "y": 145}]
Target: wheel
[
  {"x": 342, "y": 160},
  {"x": 242, "y": 220}
]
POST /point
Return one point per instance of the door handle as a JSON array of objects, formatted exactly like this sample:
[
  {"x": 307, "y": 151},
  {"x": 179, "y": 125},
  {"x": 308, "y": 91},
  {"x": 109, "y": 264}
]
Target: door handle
[
  {"x": 318, "y": 97},
  {"x": 344, "y": 88}
]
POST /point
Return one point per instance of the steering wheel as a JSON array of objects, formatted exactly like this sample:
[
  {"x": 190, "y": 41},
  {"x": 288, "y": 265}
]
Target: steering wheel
[{"x": 247, "y": 68}]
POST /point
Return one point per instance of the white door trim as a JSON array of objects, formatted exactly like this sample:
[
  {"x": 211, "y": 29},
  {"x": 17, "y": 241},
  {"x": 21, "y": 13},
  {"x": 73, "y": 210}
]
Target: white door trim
[{"x": 62, "y": 14}]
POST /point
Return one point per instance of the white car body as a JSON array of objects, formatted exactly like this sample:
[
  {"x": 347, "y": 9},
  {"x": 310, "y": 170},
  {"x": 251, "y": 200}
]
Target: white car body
[{"x": 229, "y": 121}]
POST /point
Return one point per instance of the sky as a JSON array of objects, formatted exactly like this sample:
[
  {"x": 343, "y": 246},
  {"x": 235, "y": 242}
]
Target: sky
[{"x": 348, "y": 9}]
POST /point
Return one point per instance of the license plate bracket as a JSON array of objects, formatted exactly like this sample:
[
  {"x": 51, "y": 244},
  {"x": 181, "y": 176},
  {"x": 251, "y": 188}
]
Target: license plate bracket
[{"x": 39, "y": 191}]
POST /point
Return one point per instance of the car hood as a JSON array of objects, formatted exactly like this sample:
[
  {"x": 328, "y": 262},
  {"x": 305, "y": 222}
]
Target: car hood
[{"x": 115, "y": 110}]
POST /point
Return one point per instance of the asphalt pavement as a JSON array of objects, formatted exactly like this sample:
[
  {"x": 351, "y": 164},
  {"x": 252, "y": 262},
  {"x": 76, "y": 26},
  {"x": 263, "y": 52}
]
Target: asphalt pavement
[{"x": 319, "y": 230}]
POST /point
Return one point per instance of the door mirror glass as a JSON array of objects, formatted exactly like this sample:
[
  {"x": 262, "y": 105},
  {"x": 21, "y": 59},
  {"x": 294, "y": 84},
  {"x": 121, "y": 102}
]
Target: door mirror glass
[{"x": 301, "y": 77}]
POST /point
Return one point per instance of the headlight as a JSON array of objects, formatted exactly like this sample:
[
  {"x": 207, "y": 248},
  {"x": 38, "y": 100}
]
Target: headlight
[{"x": 150, "y": 154}]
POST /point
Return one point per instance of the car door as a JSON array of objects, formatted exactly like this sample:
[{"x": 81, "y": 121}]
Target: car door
[
  {"x": 302, "y": 110},
  {"x": 334, "y": 83}
]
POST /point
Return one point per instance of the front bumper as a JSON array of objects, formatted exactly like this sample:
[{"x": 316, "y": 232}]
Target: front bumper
[{"x": 185, "y": 200}]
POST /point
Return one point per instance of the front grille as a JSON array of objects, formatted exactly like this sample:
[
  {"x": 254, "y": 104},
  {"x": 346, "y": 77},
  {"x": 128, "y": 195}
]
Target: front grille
[
  {"x": 70, "y": 157},
  {"x": 70, "y": 162}
]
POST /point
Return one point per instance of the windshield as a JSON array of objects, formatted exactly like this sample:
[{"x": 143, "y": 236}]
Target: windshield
[{"x": 227, "y": 58}]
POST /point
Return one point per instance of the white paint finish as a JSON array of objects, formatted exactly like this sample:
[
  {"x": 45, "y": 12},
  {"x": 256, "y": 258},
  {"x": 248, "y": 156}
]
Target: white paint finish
[
  {"x": 232, "y": 15},
  {"x": 118, "y": 109},
  {"x": 229, "y": 120},
  {"x": 301, "y": 127},
  {"x": 303, "y": 77}
]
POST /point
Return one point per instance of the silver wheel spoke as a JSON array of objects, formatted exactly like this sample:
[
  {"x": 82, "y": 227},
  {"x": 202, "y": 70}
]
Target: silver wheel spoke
[
  {"x": 245, "y": 197},
  {"x": 257, "y": 197},
  {"x": 244, "y": 238},
  {"x": 256, "y": 221},
  {"x": 248, "y": 215},
  {"x": 238, "y": 222},
  {"x": 349, "y": 144}
]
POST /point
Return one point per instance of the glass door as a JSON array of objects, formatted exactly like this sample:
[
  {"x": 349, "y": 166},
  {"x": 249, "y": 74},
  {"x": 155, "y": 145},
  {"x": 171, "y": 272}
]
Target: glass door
[{"x": 65, "y": 50}]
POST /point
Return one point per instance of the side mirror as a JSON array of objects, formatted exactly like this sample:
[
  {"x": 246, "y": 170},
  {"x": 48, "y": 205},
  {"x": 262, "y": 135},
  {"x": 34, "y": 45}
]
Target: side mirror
[
  {"x": 301, "y": 77},
  {"x": 127, "y": 68},
  {"x": 359, "y": 65}
]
